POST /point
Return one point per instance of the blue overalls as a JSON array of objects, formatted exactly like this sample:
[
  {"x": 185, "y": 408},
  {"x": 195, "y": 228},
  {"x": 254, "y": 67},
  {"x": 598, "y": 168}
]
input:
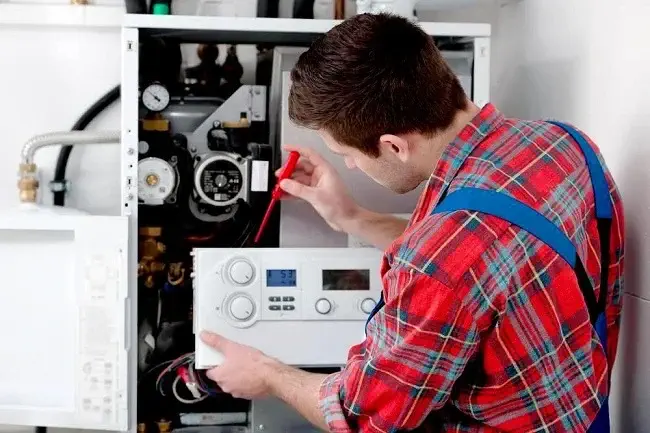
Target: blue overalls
[{"x": 519, "y": 214}]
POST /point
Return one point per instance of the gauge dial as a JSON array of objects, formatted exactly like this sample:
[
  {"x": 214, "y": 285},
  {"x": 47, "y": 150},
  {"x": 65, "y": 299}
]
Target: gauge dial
[{"x": 155, "y": 97}]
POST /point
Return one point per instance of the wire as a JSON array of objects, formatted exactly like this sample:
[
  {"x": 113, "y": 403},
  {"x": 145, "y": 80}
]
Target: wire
[
  {"x": 181, "y": 399},
  {"x": 192, "y": 376},
  {"x": 181, "y": 360}
]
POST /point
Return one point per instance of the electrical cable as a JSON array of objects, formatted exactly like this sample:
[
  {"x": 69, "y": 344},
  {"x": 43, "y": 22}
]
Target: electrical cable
[
  {"x": 181, "y": 399},
  {"x": 58, "y": 185}
]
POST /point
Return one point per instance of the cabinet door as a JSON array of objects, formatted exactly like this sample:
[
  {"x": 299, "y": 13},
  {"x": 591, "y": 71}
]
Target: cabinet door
[{"x": 64, "y": 313}]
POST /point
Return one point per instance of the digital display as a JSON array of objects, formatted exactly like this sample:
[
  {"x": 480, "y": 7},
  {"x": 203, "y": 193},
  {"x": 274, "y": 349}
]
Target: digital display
[
  {"x": 281, "y": 278},
  {"x": 346, "y": 279}
]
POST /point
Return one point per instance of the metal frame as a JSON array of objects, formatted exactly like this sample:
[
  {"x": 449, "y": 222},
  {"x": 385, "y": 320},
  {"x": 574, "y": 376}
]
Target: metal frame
[{"x": 279, "y": 31}]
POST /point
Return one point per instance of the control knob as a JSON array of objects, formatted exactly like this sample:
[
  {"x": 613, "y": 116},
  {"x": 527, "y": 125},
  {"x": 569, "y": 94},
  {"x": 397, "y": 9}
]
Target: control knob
[
  {"x": 367, "y": 305},
  {"x": 241, "y": 272},
  {"x": 242, "y": 308},
  {"x": 323, "y": 306}
]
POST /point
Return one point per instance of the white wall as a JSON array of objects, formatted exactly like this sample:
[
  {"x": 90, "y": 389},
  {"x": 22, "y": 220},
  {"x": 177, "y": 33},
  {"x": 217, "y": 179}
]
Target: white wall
[
  {"x": 587, "y": 62},
  {"x": 48, "y": 79}
]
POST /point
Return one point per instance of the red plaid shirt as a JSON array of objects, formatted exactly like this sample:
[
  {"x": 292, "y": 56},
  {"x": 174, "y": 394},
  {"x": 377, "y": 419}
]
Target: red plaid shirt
[{"x": 485, "y": 328}]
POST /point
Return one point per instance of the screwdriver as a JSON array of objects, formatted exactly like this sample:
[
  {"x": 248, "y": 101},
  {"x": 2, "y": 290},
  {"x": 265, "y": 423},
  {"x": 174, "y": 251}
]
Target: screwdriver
[{"x": 277, "y": 191}]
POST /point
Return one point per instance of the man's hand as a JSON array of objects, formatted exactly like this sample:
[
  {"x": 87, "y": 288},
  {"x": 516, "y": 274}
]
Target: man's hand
[
  {"x": 248, "y": 373},
  {"x": 317, "y": 182},
  {"x": 245, "y": 370}
]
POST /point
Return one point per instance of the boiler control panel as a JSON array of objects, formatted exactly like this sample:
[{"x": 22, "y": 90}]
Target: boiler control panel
[{"x": 303, "y": 306}]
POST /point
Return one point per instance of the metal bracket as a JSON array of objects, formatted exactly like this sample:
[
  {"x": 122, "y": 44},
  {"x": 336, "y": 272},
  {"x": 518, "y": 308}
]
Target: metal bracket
[{"x": 59, "y": 186}]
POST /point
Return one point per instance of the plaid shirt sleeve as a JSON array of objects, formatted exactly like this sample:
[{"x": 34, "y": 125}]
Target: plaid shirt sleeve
[{"x": 416, "y": 347}]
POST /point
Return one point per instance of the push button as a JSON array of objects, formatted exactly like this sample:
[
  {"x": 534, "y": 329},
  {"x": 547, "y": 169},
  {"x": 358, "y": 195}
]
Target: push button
[
  {"x": 274, "y": 307},
  {"x": 274, "y": 298},
  {"x": 288, "y": 307},
  {"x": 288, "y": 299}
]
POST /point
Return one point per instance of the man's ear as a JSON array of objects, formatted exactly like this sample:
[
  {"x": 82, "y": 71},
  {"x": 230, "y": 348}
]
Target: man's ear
[{"x": 395, "y": 145}]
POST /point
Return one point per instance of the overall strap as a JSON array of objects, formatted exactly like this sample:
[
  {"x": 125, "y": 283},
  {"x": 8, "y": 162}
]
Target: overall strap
[
  {"x": 526, "y": 218},
  {"x": 604, "y": 211},
  {"x": 517, "y": 213}
]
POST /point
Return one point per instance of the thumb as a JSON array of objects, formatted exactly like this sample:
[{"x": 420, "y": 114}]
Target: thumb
[
  {"x": 214, "y": 340},
  {"x": 297, "y": 189}
]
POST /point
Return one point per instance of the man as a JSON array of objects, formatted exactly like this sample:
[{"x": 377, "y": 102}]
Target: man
[{"x": 485, "y": 326}]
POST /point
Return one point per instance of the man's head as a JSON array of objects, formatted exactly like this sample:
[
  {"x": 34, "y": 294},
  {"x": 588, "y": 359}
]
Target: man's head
[{"x": 378, "y": 92}]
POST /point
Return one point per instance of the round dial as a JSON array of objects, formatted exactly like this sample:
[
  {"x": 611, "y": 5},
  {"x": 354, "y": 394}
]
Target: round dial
[
  {"x": 367, "y": 305},
  {"x": 155, "y": 97},
  {"x": 242, "y": 308},
  {"x": 241, "y": 272},
  {"x": 323, "y": 306},
  {"x": 156, "y": 181},
  {"x": 219, "y": 181}
]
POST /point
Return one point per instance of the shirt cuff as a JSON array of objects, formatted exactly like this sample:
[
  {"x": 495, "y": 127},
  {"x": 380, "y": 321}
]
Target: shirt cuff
[{"x": 331, "y": 406}]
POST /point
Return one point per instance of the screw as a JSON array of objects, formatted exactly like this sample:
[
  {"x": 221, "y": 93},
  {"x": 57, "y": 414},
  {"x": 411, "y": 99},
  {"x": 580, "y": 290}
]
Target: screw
[
  {"x": 130, "y": 152},
  {"x": 261, "y": 427},
  {"x": 129, "y": 197}
]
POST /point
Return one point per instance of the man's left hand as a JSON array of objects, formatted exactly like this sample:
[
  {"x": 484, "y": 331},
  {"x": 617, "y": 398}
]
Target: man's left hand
[{"x": 244, "y": 371}]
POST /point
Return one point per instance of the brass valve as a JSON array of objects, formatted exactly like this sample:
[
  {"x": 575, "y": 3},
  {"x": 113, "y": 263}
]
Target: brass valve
[
  {"x": 164, "y": 426},
  {"x": 150, "y": 251},
  {"x": 28, "y": 183},
  {"x": 176, "y": 274}
]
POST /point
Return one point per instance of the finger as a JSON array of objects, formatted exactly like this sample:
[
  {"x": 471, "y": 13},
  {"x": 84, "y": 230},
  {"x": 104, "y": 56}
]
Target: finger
[
  {"x": 214, "y": 374},
  {"x": 306, "y": 152},
  {"x": 302, "y": 178},
  {"x": 296, "y": 189},
  {"x": 214, "y": 340}
]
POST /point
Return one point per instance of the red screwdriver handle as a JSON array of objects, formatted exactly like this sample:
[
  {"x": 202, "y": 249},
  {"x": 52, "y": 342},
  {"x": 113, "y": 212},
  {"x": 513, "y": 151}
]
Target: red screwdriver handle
[{"x": 286, "y": 173}]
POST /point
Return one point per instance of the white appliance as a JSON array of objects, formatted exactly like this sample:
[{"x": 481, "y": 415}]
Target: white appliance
[
  {"x": 69, "y": 304},
  {"x": 303, "y": 306}
]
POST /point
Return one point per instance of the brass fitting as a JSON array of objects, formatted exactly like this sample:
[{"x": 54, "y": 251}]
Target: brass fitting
[
  {"x": 27, "y": 183},
  {"x": 79, "y": 2},
  {"x": 164, "y": 426},
  {"x": 241, "y": 123}
]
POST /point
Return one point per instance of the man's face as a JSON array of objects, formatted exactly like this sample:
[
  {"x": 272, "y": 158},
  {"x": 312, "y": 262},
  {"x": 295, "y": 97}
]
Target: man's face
[{"x": 387, "y": 170}]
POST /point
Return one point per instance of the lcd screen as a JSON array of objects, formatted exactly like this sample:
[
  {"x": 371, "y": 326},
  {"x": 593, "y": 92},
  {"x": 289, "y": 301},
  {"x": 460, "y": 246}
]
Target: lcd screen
[
  {"x": 281, "y": 278},
  {"x": 346, "y": 279}
]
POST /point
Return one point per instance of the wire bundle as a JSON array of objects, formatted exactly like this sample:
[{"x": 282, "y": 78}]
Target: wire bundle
[{"x": 183, "y": 371}]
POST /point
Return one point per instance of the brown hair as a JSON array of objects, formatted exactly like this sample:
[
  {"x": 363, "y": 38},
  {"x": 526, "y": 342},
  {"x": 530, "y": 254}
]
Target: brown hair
[{"x": 374, "y": 74}]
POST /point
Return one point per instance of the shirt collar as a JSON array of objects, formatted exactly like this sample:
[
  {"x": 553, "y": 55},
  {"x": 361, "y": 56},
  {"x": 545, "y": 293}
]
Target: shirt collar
[{"x": 483, "y": 124}]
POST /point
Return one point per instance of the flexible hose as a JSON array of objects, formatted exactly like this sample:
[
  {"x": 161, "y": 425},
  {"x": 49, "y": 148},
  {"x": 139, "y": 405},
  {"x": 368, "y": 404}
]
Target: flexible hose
[
  {"x": 64, "y": 154},
  {"x": 71, "y": 137}
]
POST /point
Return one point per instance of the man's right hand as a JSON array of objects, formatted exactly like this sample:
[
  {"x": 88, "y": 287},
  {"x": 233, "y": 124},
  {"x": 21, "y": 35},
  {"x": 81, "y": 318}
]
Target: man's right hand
[{"x": 316, "y": 181}]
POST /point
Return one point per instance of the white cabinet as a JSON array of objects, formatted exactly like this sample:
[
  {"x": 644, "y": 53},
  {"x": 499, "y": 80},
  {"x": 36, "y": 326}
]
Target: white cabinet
[{"x": 65, "y": 314}]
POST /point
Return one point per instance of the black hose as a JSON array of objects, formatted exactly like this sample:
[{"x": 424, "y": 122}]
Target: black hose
[{"x": 64, "y": 154}]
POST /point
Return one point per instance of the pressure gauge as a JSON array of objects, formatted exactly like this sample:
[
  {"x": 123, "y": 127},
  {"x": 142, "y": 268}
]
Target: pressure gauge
[{"x": 155, "y": 97}]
